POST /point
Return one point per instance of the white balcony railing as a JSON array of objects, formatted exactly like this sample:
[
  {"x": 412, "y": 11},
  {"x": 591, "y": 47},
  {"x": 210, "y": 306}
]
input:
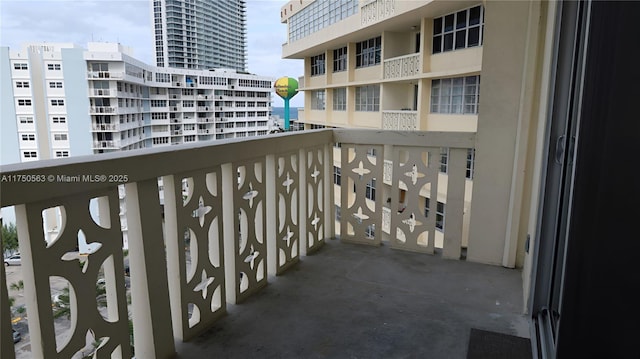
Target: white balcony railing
[
  {"x": 372, "y": 11},
  {"x": 103, "y": 109},
  {"x": 400, "y": 120},
  {"x": 403, "y": 66},
  {"x": 105, "y": 127},
  {"x": 234, "y": 212},
  {"x": 104, "y": 75}
]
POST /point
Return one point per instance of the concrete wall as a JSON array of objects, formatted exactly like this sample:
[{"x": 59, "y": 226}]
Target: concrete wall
[{"x": 8, "y": 126}]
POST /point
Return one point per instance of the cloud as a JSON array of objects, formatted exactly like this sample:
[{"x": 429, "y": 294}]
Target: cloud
[{"x": 129, "y": 23}]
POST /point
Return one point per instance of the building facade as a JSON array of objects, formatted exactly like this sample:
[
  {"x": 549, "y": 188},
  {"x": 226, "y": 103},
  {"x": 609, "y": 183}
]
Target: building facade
[
  {"x": 70, "y": 101},
  {"x": 200, "y": 34},
  {"x": 392, "y": 65}
]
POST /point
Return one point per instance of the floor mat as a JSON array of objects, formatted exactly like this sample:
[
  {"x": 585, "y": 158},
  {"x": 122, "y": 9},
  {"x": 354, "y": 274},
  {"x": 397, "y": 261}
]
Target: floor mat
[{"x": 491, "y": 345}]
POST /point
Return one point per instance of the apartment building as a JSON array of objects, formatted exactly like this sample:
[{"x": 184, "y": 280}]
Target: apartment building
[
  {"x": 70, "y": 101},
  {"x": 392, "y": 65},
  {"x": 200, "y": 34}
]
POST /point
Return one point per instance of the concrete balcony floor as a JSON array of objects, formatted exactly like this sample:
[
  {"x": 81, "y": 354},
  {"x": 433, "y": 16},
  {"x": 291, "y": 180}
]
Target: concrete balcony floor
[{"x": 355, "y": 301}]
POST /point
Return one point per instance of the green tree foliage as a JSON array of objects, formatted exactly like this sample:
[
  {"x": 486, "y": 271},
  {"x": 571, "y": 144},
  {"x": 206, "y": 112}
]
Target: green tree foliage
[{"x": 9, "y": 237}]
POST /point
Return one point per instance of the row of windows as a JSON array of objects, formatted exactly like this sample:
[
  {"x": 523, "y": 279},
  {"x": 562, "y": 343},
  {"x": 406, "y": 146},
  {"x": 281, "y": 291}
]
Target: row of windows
[
  {"x": 319, "y": 15},
  {"x": 455, "y": 95},
  {"x": 26, "y": 84},
  {"x": 460, "y": 30},
  {"x": 56, "y": 137}
]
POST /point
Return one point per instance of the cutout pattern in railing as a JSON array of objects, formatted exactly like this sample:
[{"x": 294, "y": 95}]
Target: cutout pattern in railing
[
  {"x": 415, "y": 170},
  {"x": 315, "y": 199},
  {"x": 360, "y": 212},
  {"x": 82, "y": 248},
  {"x": 287, "y": 219},
  {"x": 199, "y": 218},
  {"x": 250, "y": 246}
]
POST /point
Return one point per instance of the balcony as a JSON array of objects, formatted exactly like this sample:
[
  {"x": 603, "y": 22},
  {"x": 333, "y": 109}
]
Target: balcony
[
  {"x": 109, "y": 144},
  {"x": 224, "y": 264},
  {"x": 103, "y": 109},
  {"x": 403, "y": 66},
  {"x": 400, "y": 120},
  {"x": 110, "y": 127}
]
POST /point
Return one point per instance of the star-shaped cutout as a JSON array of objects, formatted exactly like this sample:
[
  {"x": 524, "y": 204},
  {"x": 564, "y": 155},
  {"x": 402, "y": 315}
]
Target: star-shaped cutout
[
  {"x": 288, "y": 182},
  {"x": 250, "y": 195},
  {"x": 83, "y": 252},
  {"x": 315, "y": 174},
  {"x": 359, "y": 215},
  {"x": 204, "y": 284},
  {"x": 251, "y": 258},
  {"x": 411, "y": 222},
  {"x": 315, "y": 221},
  {"x": 360, "y": 170},
  {"x": 288, "y": 236},
  {"x": 201, "y": 211},
  {"x": 414, "y": 174}
]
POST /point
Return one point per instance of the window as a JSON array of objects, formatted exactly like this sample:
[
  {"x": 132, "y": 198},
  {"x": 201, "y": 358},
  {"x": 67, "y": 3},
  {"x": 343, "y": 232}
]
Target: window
[
  {"x": 24, "y": 102},
  {"x": 29, "y": 154},
  {"x": 459, "y": 30},
  {"x": 62, "y": 154},
  {"x": 337, "y": 176},
  {"x": 57, "y": 102},
  {"x": 318, "y": 65},
  {"x": 455, "y": 95},
  {"x": 427, "y": 205},
  {"x": 60, "y": 137},
  {"x": 444, "y": 158},
  {"x": 370, "y": 232},
  {"x": 338, "y": 214},
  {"x": 59, "y": 119},
  {"x": 440, "y": 216},
  {"x": 55, "y": 84},
  {"x": 368, "y": 52},
  {"x": 25, "y": 119},
  {"x": 340, "y": 99},
  {"x": 28, "y": 137},
  {"x": 20, "y": 66},
  {"x": 370, "y": 191},
  {"x": 317, "y": 100},
  {"x": 22, "y": 84},
  {"x": 368, "y": 98},
  {"x": 371, "y": 152},
  {"x": 55, "y": 67},
  {"x": 340, "y": 59},
  {"x": 471, "y": 159}
]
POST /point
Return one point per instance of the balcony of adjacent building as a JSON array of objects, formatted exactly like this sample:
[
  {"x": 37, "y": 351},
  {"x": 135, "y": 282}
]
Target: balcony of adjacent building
[{"x": 241, "y": 251}]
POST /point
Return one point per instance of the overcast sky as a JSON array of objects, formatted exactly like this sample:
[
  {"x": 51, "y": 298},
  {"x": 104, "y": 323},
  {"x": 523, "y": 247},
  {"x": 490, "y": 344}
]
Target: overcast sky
[{"x": 129, "y": 23}]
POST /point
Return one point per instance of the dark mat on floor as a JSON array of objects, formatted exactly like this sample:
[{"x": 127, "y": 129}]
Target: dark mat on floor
[{"x": 491, "y": 345}]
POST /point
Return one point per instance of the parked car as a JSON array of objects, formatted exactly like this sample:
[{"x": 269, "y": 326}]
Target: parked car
[
  {"x": 16, "y": 336},
  {"x": 13, "y": 260}
]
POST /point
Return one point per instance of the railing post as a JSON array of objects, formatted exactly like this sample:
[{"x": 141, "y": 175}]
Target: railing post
[
  {"x": 229, "y": 181},
  {"x": 455, "y": 203},
  {"x": 149, "y": 289},
  {"x": 303, "y": 212},
  {"x": 271, "y": 214},
  {"x": 7, "y": 349}
]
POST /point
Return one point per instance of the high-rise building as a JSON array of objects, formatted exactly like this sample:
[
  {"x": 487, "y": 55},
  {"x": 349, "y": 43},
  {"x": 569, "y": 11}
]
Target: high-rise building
[
  {"x": 200, "y": 34},
  {"x": 61, "y": 100}
]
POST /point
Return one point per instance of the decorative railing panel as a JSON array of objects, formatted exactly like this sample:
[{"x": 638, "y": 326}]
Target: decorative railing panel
[
  {"x": 84, "y": 246},
  {"x": 360, "y": 212},
  {"x": 400, "y": 120},
  {"x": 375, "y": 10},
  {"x": 198, "y": 212},
  {"x": 250, "y": 246},
  {"x": 403, "y": 66},
  {"x": 287, "y": 213},
  {"x": 416, "y": 170},
  {"x": 315, "y": 199}
]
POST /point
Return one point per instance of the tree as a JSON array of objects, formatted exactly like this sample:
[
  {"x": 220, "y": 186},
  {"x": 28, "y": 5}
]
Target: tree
[{"x": 9, "y": 237}]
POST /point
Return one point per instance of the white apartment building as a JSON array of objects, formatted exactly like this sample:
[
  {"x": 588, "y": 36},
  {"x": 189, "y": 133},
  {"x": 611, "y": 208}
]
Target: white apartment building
[
  {"x": 63, "y": 100},
  {"x": 200, "y": 34},
  {"x": 393, "y": 65}
]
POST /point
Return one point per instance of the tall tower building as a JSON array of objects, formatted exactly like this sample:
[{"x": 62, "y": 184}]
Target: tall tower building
[{"x": 200, "y": 34}]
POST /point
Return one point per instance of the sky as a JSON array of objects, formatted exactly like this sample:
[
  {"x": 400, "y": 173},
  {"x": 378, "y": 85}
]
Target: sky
[{"x": 129, "y": 23}]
